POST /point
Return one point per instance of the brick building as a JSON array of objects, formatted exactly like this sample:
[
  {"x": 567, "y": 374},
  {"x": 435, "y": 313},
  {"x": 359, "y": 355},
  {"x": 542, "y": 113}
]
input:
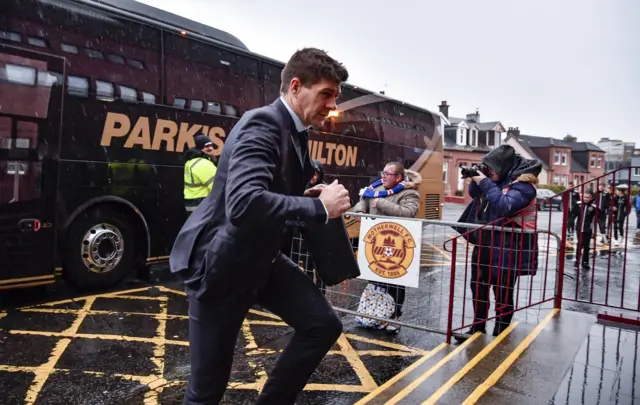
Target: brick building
[
  {"x": 466, "y": 141},
  {"x": 564, "y": 160}
]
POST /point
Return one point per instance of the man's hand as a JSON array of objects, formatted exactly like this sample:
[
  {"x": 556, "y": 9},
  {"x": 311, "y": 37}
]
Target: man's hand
[
  {"x": 314, "y": 191},
  {"x": 479, "y": 177},
  {"x": 335, "y": 199},
  {"x": 374, "y": 202}
]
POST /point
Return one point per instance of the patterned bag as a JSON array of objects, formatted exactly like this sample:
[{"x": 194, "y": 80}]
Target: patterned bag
[{"x": 377, "y": 302}]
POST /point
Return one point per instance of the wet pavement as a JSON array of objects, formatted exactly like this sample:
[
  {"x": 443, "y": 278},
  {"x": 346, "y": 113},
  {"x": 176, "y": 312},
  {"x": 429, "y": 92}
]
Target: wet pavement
[{"x": 129, "y": 345}]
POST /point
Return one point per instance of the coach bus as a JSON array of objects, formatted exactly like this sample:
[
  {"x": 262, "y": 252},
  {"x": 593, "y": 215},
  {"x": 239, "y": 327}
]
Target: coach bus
[{"x": 99, "y": 100}]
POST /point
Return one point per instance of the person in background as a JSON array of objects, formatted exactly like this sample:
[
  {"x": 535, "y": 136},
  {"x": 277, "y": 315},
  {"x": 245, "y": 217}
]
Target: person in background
[
  {"x": 396, "y": 196},
  {"x": 604, "y": 205},
  {"x": 199, "y": 172},
  {"x": 505, "y": 189},
  {"x": 574, "y": 198},
  {"x": 620, "y": 212},
  {"x": 585, "y": 213}
]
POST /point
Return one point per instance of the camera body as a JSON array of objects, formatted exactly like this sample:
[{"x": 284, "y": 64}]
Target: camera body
[{"x": 474, "y": 170}]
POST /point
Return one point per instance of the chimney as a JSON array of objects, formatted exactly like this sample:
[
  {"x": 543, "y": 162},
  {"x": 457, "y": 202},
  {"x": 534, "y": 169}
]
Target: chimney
[
  {"x": 514, "y": 131},
  {"x": 475, "y": 117},
  {"x": 382, "y": 92},
  {"x": 444, "y": 108}
]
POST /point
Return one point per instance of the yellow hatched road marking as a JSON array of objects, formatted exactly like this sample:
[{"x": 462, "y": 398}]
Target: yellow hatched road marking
[{"x": 504, "y": 366}]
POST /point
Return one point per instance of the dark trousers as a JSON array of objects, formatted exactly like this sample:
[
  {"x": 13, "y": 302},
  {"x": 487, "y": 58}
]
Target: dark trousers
[
  {"x": 503, "y": 283},
  {"x": 584, "y": 248},
  {"x": 618, "y": 226},
  {"x": 638, "y": 218},
  {"x": 602, "y": 225},
  {"x": 213, "y": 331},
  {"x": 571, "y": 225},
  {"x": 398, "y": 292},
  {"x": 191, "y": 205}
]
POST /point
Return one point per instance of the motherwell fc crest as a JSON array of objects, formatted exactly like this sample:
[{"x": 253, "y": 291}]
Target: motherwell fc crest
[{"x": 389, "y": 249}]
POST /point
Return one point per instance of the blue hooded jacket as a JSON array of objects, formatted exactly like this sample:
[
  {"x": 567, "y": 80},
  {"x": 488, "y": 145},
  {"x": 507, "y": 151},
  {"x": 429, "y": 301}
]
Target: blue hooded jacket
[{"x": 508, "y": 250}]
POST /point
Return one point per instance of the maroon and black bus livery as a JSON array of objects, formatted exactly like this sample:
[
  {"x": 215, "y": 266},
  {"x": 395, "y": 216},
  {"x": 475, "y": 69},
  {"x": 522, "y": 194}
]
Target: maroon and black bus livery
[{"x": 98, "y": 102}]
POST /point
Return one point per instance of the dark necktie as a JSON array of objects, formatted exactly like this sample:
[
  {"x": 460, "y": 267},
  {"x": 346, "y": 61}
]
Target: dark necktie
[{"x": 303, "y": 138}]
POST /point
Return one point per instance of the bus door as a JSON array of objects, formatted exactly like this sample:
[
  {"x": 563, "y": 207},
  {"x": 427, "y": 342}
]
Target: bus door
[{"x": 31, "y": 93}]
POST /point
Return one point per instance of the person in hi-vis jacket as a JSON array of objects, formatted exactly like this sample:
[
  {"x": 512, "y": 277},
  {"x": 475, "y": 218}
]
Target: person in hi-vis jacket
[{"x": 199, "y": 172}]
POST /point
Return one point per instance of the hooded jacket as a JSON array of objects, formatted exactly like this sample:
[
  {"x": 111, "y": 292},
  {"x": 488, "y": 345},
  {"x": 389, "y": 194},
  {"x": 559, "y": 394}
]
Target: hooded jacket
[
  {"x": 403, "y": 204},
  {"x": 492, "y": 201}
]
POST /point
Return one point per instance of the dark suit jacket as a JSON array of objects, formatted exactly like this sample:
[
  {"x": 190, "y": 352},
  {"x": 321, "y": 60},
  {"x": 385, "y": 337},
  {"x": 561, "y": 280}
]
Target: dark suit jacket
[{"x": 229, "y": 244}]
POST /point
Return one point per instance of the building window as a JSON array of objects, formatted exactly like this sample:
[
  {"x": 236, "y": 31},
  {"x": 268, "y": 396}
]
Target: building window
[
  {"x": 462, "y": 137},
  {"x": 445, "y": 172},
  {"x": 564, "y": 158},
  {"x": 636, "y": 172},
  {"x": 474, "y": 138},
  {"x": 599, "y": 162},
  {"x": 593, "y": 161},
  {"x": 556, "y": 158},
  {"x": 556, "y": 179},
  {"x": 565, "y": 180},
  {"x": 179, "y": 102}
]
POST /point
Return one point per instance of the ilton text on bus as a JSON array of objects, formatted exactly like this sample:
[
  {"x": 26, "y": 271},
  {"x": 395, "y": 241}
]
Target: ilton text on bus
[{"x": 175, "y": 136}]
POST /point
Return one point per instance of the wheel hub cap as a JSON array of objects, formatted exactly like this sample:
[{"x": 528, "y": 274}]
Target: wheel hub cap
[{"x": 102, "y": 248}]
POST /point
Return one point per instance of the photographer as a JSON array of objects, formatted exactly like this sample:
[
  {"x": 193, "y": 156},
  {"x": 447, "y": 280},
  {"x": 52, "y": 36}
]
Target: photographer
[{"x": 502, "y": 187}]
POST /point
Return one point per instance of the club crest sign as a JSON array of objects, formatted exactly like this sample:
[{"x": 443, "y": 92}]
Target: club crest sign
[{"x": 387, "y": 251}]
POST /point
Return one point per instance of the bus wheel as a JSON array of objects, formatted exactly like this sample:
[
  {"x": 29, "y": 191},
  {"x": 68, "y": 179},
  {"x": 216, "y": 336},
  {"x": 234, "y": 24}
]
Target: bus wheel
[{"x": 100, "y": 250}]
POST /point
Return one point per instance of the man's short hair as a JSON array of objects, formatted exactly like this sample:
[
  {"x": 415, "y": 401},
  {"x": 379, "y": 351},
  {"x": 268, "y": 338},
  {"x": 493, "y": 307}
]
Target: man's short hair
[
  {"x": 311, "y": 65},
  {"x": 399, "y": 168}
]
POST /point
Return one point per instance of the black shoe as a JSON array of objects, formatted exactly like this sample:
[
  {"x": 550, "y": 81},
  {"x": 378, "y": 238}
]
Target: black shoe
[
  {"x": 585, "y": 266},
  {"x": 470, "y": 332}
]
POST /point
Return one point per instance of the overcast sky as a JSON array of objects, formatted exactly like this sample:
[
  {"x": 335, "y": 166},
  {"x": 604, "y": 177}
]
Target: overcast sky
[{"x": 549, "y": 67}]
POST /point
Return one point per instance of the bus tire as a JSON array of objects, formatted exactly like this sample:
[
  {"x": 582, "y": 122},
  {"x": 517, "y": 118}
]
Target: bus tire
[{"x": 100, "y": 249}]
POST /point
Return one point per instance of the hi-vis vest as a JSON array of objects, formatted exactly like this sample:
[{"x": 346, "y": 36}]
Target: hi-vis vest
[
  {"x": 526, "y": 217},
  {"x": 198, "y": 178}
]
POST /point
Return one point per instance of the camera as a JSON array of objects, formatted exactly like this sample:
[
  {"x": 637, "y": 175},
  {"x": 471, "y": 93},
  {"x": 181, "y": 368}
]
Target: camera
[{"x": 470, "y": 171}]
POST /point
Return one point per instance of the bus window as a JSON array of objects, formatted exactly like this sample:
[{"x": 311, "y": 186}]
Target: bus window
[
  {"x": 135, "y": 64},
  {"x": 10, "y": 36},
  {"x": 104, "y": 90},
  {"x": 39, "y": 42},
  {"x": 93, "y": 54},
  {"x": 196, "y": 105},
  {"x": 69, "y": 48},
  {"x": 117, "y": 59},
  {"x": 214, "y": 107},
  {"x": 48, "y": 79},
  {"x": 148, "y": 98},
  {"x": 78, "y": 86},
  {"x": 230, "y": 110},
  {"x": 128, "y": 94},
  {"x": 179, "y": 102},
  {"x": 19, "y": 74}
]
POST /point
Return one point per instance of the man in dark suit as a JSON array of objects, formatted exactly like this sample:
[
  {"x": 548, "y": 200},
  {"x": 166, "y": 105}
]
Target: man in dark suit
[{"x": 228, "y": 251}]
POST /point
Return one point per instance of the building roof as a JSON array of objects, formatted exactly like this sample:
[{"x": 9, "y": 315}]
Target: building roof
[
  {"x": 526, "y": 147},
  {"x": 585, "y": 146},
  {"x": 544, "y": 142},
  {"x": 576, "y": 167}
]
